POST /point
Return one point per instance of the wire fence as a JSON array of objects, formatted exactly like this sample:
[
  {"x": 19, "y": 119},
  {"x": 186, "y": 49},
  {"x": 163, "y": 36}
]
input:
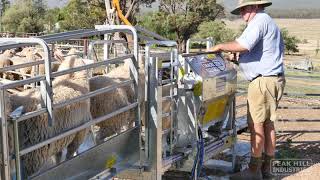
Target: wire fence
[{"x": 242, "y": 84}]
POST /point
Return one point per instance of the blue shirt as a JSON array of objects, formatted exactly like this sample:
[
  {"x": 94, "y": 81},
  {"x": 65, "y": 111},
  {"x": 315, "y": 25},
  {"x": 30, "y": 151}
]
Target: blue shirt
[{"x": 263, "y": 39}]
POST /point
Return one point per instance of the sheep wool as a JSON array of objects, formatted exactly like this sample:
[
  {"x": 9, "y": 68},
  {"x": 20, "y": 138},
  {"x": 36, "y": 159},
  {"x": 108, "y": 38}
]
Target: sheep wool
[
  {"x": 35, "y": 130},
  {"x": 108, "y": 102}
]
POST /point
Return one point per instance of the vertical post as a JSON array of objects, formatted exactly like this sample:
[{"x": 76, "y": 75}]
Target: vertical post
[
  {"x": 106, "y": 51},
  {"x": 209, "y": 43},
  {"x": 17, "y": 149},
  {"x": 188, "y": 46},
  {"x": 234, "y": 132},
  {"x": 5, "y": 169},
  {"x": 146, "y": 100},
  {"x": 46, "y": 87},
  {"x": 85, "y": 47},
  {"x": 158, "y": 104}
]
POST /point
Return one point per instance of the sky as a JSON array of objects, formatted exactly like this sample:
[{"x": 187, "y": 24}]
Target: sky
[
  {"x": 229, "y": 4},
  {"x": 282, "y": 4}
]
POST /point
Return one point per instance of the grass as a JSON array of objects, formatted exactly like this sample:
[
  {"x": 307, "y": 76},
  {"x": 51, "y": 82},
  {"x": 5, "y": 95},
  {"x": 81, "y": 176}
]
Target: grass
[
  {"x": 286, "y": 151},
  {"x": 302, "y": 73}
]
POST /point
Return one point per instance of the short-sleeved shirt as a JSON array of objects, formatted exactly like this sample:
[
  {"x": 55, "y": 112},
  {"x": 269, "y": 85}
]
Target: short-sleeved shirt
[{"x": 263, "y": 39}]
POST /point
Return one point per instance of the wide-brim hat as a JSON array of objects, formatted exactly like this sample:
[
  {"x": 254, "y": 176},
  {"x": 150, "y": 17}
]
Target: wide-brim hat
[{"x": 243, "y": 3}]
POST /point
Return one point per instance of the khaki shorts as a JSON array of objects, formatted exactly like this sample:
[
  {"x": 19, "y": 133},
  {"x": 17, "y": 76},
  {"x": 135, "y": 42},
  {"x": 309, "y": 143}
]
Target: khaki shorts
[{"x": 264, "y": 94}]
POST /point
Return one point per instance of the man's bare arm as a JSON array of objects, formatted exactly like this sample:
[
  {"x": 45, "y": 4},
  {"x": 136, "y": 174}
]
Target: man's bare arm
[{"x": 232, "y": 46}]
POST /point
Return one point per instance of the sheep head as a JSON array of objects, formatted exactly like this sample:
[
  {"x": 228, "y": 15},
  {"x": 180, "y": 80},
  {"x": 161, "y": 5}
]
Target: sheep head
[
  {"x": 9, "y": 53},
  {"x": 69, "y": 63}
]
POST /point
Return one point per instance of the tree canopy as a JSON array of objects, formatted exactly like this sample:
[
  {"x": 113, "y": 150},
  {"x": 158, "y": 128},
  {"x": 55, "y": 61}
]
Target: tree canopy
[
  {"x": 181, "y": 18},
  {"x": 24, "y": 16},
  {"x": 290, "y": 41},
  {"x": 216, "y": 29}
]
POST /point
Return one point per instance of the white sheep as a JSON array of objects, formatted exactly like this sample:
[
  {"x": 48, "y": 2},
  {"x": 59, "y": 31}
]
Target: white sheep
[
  {"x": 5, "y": 61},
  {"x": 106, "y": 103},
  {"x": 30, "y": 57},
  {"x": 35, "y": 130}
]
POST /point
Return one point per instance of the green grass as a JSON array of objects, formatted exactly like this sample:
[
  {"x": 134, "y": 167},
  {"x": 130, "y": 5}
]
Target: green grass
[{"x": 302, "y": 73}]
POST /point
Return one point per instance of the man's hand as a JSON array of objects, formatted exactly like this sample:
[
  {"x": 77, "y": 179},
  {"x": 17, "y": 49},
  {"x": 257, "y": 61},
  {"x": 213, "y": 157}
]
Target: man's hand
[
  {"x": 216, "y": 48},
  {"x": 232, "y": 56}
]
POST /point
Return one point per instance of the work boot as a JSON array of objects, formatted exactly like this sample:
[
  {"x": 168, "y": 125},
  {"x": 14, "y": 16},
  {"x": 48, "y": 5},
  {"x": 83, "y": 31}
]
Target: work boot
[
  {"x": 266, "y": 167},
  {"x": 252, "y": 173}
]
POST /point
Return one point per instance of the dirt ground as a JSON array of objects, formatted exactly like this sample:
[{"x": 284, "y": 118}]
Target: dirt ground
[{"x": 310, "y": 148}]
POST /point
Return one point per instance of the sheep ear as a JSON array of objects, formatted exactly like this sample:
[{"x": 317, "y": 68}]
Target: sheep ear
[
  {"x": 39, "y": 55},
  {"x": 58, "y": 57}
]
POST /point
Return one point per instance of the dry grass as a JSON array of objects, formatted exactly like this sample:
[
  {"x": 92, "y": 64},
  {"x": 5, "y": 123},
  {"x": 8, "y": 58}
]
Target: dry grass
[{"x": 307, "y": 30}]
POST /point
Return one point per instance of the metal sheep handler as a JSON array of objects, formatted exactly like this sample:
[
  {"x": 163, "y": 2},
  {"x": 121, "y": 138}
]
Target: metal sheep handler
[{"x": 205, "y": 123}]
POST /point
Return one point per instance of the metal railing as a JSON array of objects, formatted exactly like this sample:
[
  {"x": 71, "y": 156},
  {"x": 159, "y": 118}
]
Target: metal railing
[
  {"x": 46, "y": 91},
  {"x": 154, "y": 96}
]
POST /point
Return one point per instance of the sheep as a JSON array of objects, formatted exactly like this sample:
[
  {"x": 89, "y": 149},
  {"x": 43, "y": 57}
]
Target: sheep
[
  {"x": 108, "y": 102},
  {"x": 35, "y": 130},
  {"x": 41, "y": 67},
  {"x": 8, "y": 53},
  {"x": 30, "y": 57},
  {"x": 123, "y": 72},
  {"x": 5, "y": 61},
  {"x": 111, "y": 101},
  {"x": 25, "y": 50}
]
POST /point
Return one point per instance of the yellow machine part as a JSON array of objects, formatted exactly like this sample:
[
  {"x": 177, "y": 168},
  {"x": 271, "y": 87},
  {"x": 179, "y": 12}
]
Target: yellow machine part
[
  {"x": 215, "y": 110},
  {"x": 116, "y": 4}
]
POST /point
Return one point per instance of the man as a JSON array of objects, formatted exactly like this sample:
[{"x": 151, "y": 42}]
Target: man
[{"x": 261, "y": 60}]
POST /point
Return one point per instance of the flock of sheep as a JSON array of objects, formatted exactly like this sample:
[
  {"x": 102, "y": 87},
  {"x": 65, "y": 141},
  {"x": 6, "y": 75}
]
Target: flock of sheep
[
  {"x": 65, "y": 87},
  {"x": 36, "y": 129}
]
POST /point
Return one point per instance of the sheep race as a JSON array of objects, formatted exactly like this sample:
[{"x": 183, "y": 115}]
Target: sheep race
[{"x": 34, "y": 130}]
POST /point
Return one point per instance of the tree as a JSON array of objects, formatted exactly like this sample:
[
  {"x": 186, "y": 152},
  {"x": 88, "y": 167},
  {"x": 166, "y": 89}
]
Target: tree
[
  {"x": 51, "y": 18},
  {"x": 24, "y": 16},
  {"x": 80, "y": 14},
  {"x": 216, "y": 29},
  {"x": 5, "y": 4},
  {"x": 182, "y": 17},
  {"x": 291, "y": 42},
  {"x": 129, "y": 9}
]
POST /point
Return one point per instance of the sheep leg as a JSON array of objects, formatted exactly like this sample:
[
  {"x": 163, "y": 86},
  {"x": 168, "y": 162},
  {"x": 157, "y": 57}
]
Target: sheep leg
[
  {"x": 75, "y": 144},
  {"x": 58, "y": 157},
  {"x": 33, "y": 161}
]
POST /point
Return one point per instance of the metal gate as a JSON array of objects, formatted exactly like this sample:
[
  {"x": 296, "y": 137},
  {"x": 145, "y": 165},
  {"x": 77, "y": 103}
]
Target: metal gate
[{"x": 75, "y": 167}]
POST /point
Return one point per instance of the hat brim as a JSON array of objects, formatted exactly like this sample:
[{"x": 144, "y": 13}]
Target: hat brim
[{"x": 236, "y": 11}]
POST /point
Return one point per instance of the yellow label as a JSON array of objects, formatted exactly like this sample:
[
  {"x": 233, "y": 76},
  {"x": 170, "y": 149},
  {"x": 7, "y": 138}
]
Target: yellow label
[
  {"x": 211, "y": 56},
  {"x": 181, "y": 72},
  {"x": 215, "y": 110},
  {"x": 111, "y": 161}
]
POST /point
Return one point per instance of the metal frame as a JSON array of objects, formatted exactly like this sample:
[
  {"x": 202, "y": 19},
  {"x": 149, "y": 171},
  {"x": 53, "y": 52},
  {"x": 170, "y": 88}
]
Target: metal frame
[
  {"x": 154, "y": 115},
  {"x": 46, "y": 89},
  {"x": 209, "y": 43}
]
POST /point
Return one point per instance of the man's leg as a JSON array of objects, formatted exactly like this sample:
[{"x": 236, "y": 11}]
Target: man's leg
[
  {"x": 270, "y": 138},
  {"x": 257, "y": 139},
  {"x": 269, "y": 148}
]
